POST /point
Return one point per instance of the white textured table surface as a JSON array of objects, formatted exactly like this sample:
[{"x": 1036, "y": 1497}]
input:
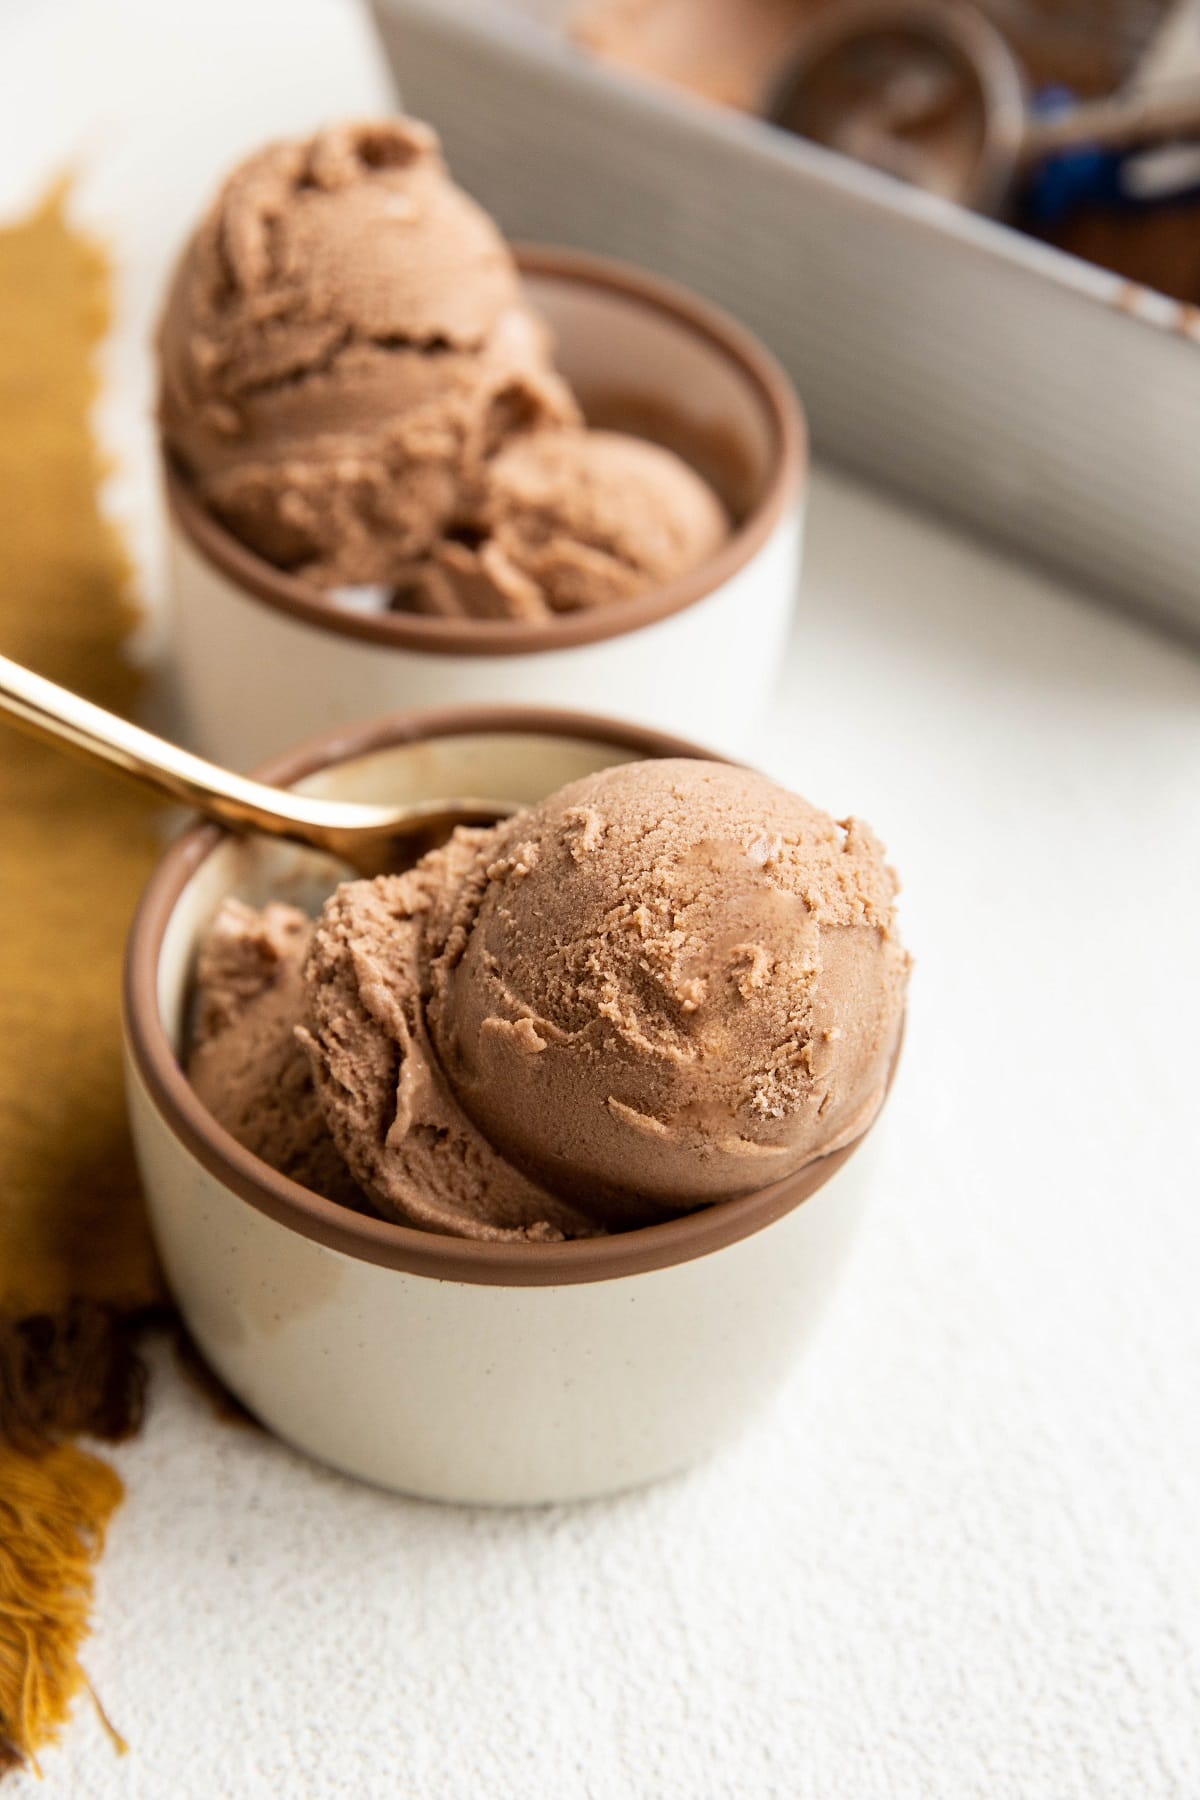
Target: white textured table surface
[{"x": 959, "y": 1557}]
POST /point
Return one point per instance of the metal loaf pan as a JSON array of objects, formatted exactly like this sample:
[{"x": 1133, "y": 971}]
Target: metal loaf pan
[{"x": 1048, "y": 403}]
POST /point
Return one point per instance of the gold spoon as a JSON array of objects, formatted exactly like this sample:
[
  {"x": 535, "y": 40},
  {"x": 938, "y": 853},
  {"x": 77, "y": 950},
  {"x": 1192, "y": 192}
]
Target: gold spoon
[{"x": 374, "y": 840}]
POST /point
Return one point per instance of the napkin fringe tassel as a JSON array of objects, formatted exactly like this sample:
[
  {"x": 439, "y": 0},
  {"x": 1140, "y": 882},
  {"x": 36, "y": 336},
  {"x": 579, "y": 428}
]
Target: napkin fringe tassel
[
  {"x": 79, "y": 1372},
  {"x": 54, "y": 1514}
]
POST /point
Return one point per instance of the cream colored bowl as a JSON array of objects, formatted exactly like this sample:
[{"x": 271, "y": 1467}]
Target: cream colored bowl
[
  {"x": 262, "y": 659},
  {"x": 455, "y": 1370}
]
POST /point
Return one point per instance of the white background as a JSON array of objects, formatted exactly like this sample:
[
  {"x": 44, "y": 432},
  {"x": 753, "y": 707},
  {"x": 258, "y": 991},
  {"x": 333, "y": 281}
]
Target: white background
[{"x": 959, "y": 1557}]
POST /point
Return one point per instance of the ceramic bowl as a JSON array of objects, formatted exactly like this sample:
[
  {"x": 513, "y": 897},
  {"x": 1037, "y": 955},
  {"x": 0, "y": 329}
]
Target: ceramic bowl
[
  {"x": 262, "y": 659},
  {"x": 451, "y": 1369}
]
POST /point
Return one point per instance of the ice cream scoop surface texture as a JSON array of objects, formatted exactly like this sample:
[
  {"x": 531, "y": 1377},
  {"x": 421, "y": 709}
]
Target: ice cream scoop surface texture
[
  {"x": 353, "y": 384},
  {"x": 669, "y": 984}
]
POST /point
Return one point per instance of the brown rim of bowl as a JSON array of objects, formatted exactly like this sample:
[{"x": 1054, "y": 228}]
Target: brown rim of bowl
[
  {"x": 376, "y": 1240},
  {"x": 982, "y": 52},
  {"x": 411, "y": 631}
]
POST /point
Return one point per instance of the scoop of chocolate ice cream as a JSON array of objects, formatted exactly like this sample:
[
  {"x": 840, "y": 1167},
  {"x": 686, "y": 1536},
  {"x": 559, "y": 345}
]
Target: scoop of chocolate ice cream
[
  {"x": 352, "y": 383},
  {"x": 669, "y": 984},
  {"x": 245, "y": 1062},
  {"x": 382, "y": 1089},
  {"x": 673, "y": 982},
  {"x": 343, "y": 342},
  {"x": 571, "y": 520}
]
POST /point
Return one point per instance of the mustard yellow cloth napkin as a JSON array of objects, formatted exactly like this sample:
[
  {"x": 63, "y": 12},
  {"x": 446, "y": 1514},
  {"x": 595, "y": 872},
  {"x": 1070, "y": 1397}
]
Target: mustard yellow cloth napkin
[{"x": 77, "y": 1270}]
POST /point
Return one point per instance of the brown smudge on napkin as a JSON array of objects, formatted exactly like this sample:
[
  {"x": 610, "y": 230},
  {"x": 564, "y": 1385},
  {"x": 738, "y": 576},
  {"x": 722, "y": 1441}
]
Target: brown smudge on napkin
[{"x": 77, "y": 1269}]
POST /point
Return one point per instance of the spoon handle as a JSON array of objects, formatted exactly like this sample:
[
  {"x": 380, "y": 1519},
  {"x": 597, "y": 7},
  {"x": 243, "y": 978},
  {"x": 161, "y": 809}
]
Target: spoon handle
[
  {"x": 1147, "y": 114},
  {"x": 48, "y": 711}
]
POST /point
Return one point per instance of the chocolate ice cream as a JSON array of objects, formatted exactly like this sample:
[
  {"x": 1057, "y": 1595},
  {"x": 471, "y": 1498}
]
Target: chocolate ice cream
[
  {"x": 343, "y": 342},
  {"x": 725, "y": 50},
  {"x": 245, "y": 1063},
  {"x": 567, "y": 521},
  {"x": 669, "y": 984},
  {"x": 385, "y": 1095},
  {"x": 353, "y": 385}
]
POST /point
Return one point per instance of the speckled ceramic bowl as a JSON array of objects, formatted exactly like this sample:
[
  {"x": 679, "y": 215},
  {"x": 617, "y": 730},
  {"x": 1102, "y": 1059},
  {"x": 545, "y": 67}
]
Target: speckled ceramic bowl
[
  {"x": 263, "y": 659},
  {"x": 489, "y": 1372}
]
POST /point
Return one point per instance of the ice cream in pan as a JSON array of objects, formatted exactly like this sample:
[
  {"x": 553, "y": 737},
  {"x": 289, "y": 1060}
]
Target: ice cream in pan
[
  {"x": 667, "y": 985},
  {"x": 354, "y": 386}
]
